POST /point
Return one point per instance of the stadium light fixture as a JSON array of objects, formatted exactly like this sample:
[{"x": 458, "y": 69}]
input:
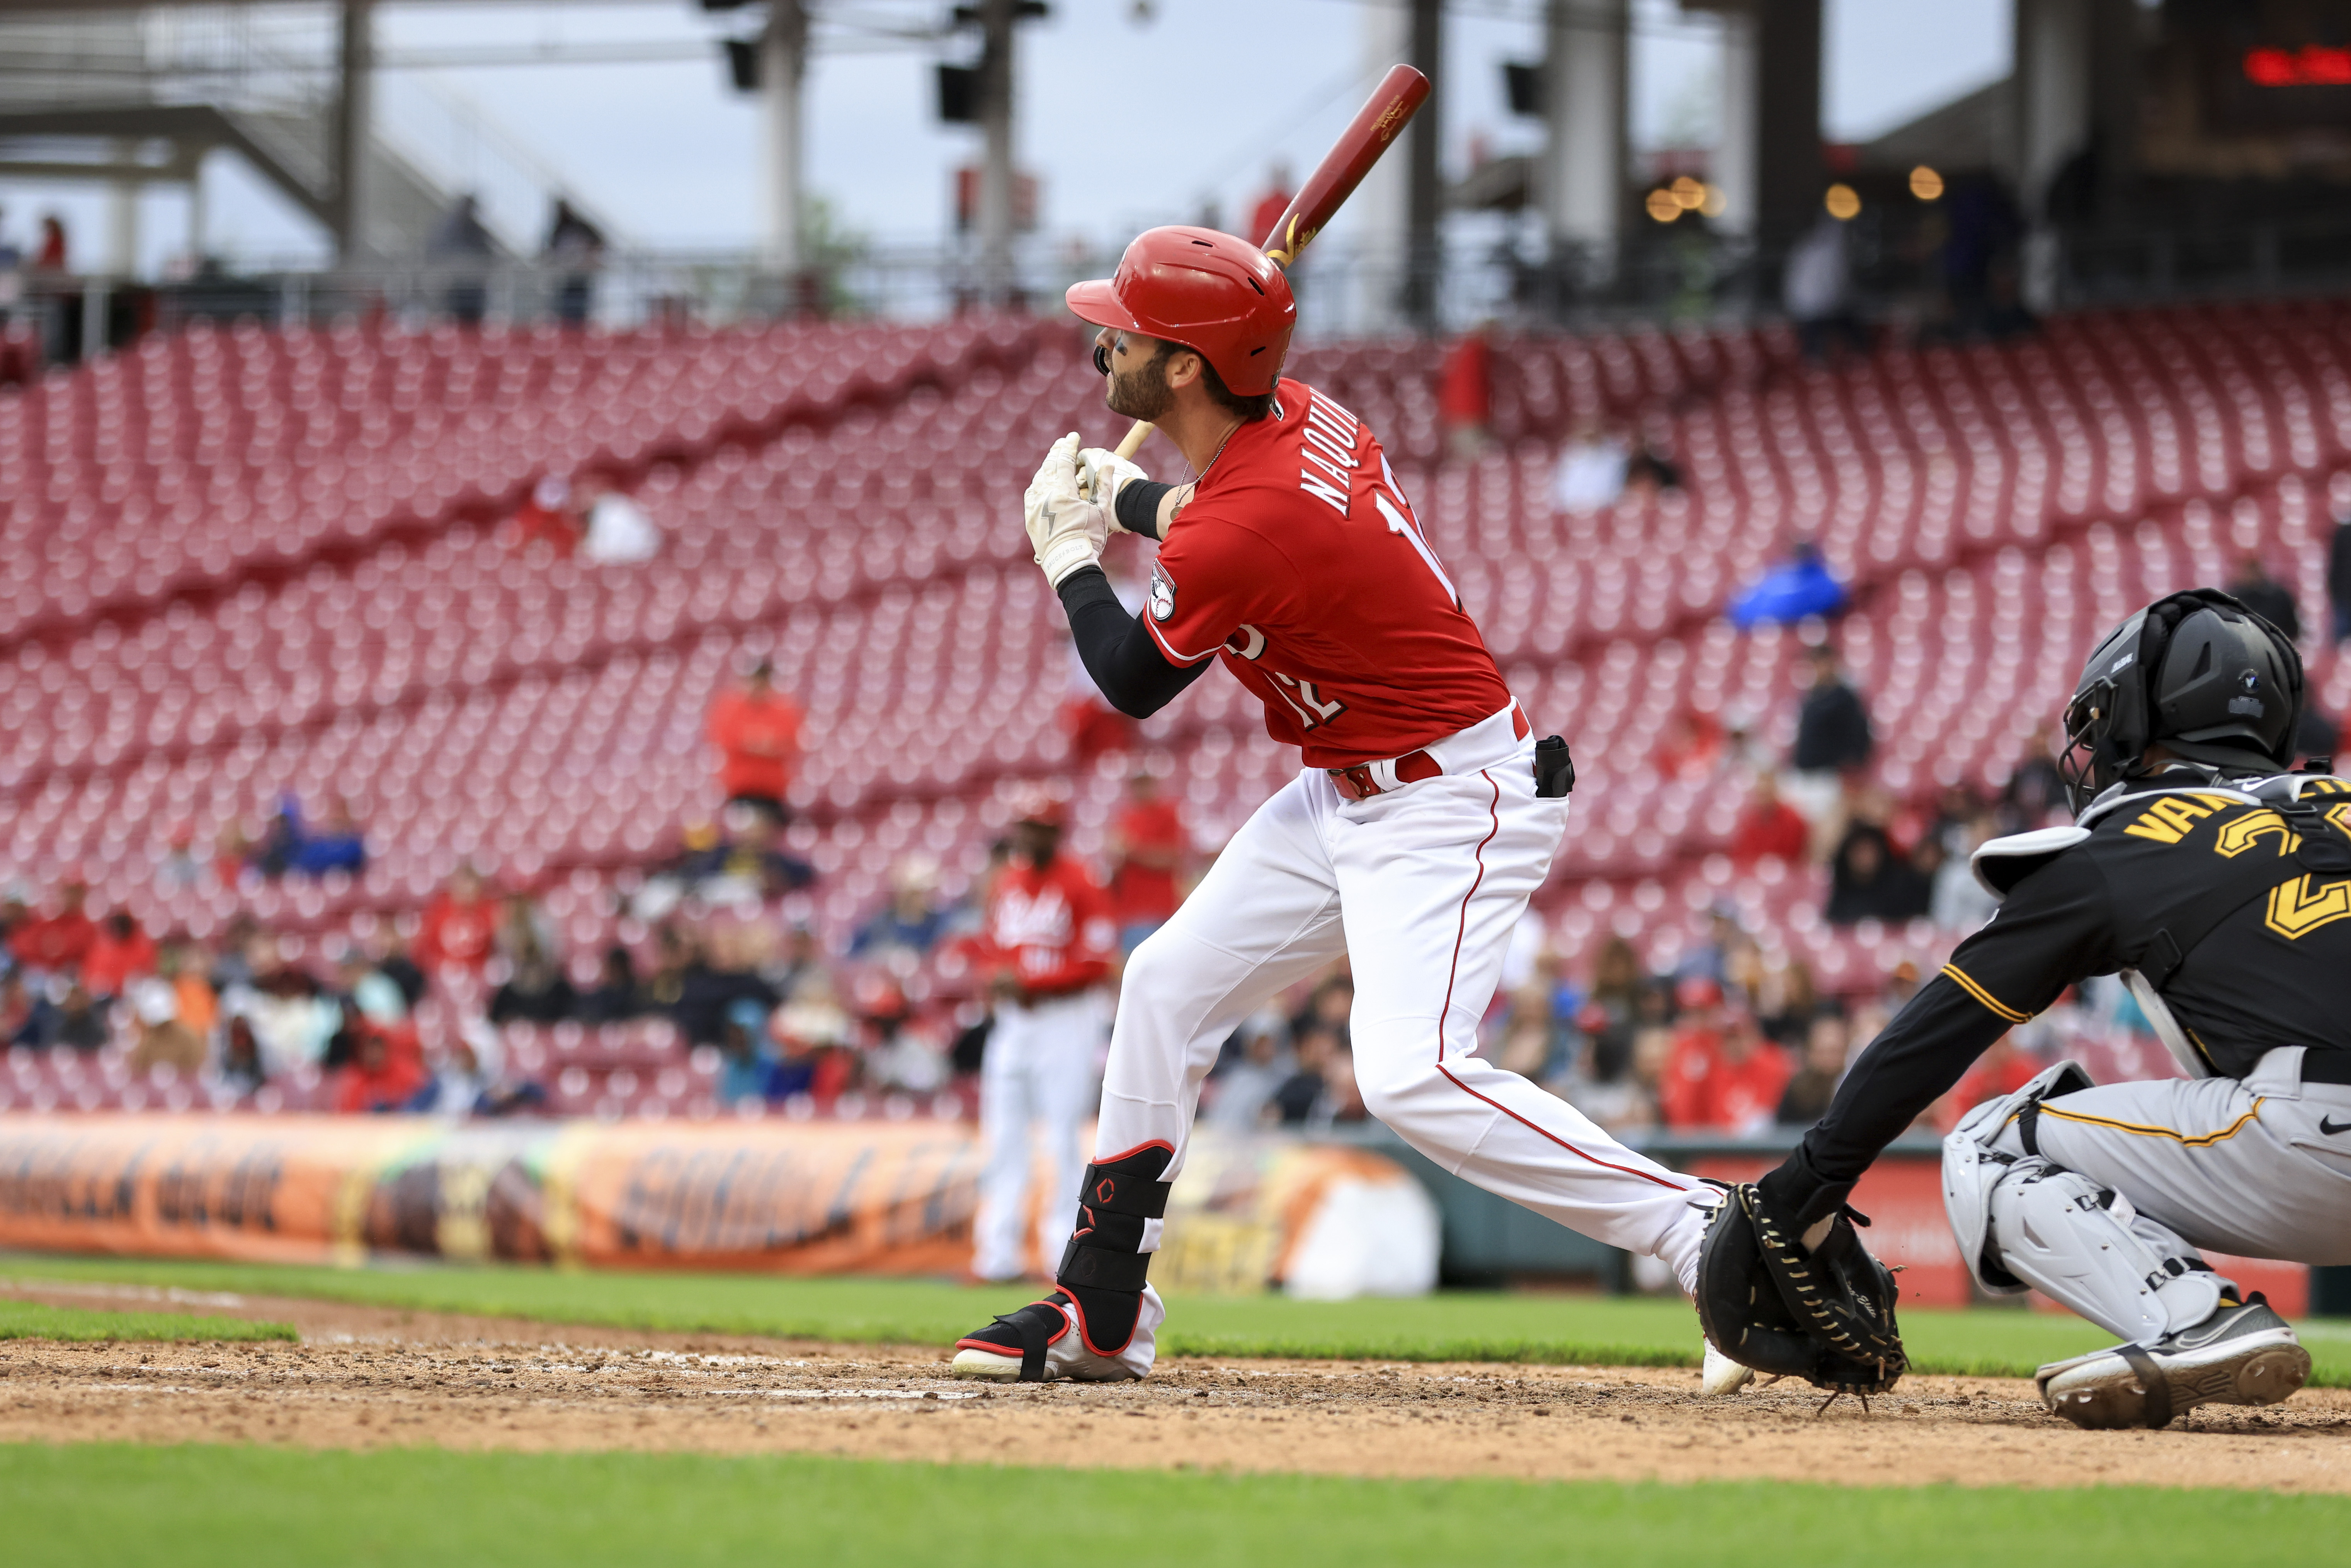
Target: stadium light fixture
[
  {"x": 1841, "y": 202},
  {"x": 1925, "y": 184}
]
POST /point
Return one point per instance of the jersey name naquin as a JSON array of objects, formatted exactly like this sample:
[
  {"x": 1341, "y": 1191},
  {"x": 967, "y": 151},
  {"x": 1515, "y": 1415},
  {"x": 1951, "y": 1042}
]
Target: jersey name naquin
[{"x": 1301, "y": 562}]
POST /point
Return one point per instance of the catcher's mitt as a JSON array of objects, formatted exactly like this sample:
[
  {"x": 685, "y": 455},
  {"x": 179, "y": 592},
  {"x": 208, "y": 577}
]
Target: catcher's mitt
[{"x": 1825, "y": 1315}]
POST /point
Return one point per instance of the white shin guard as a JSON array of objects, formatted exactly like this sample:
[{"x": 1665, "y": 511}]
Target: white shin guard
[{"x": 2083, "y": 1245}]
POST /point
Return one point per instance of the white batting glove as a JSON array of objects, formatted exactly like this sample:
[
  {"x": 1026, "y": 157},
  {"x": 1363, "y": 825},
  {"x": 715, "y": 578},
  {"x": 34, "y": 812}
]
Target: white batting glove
[
  {"x": 1066, "y": 530},
  {"x": 1102, "y": 473}
]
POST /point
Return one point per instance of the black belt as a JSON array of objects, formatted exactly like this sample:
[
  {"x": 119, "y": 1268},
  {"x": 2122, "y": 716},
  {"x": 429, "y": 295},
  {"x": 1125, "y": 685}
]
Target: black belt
[{"x": 2326, "y": 1066}]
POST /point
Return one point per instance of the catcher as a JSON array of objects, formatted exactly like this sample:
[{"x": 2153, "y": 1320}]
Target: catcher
[{"x": 2218, "y": 886}]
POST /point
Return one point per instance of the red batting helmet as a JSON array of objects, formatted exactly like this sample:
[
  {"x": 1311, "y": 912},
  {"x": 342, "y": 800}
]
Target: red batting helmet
[{"x": 1208, "y": 291}]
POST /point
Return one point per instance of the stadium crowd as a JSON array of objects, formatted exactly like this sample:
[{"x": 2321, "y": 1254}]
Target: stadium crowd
[{"x": 1731, "y": 1036}]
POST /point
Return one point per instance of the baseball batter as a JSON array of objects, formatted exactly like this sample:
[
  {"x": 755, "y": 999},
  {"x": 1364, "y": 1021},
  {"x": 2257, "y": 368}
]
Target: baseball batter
[
  {"x": 2220, "y": 887},
  {"x": 1410, "y": 841},
  {"x": 1049, "y": 937}
]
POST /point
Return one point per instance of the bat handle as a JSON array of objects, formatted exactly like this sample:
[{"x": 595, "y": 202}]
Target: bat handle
[{"x": 1132, "y": 442}]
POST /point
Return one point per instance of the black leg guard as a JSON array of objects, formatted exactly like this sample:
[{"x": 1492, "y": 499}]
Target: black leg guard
[{"x": 1105, "y": 1267}]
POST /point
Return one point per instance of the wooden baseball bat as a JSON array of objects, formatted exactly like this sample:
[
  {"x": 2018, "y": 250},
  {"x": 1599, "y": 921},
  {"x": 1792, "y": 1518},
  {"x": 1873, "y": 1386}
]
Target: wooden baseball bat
[{"x": 1367, "y": 136}]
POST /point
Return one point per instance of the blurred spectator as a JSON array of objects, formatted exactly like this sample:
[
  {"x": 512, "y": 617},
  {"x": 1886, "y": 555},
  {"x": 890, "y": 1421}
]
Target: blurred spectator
[
  {"x": 2004, "y": 1068},
  {"x": 179, "y": 867},
  {"x": 1807, "y": 1096},
  {"x": 1833, "y": 731},
  {"x": 1270, "y": 205},
  {"x": 233, "y": 853},
  {"x": 2037, "y": 789},
  {"x": 711, "y": 982},
  {"x": 1465, "y": 393},
  {"x": 241, "y": 1067},
  {"x": 1982, "y": 229},
  {"x": 2338, "y": 578},
  {"x": 1869, "y": 879},
  {"x": 1786, "y": 1004},
  {"x": 1799, "y": 586},
  {"x": 456, "y": 1087},
  {"x": 293, "y": 1018},
  {"x": 538, "y": 991},
  {"x": 550, "y": 517},
  {"x": 757, "y": 730},
  {"x": 1302, "y": 1096},
  {"x": 1816, "y": 288},
  {"x": 15, "y": 1008},
  {"x": 1769, "y": 826},
  {"x": 337, "y": 844},
  {"x": 378, "y": 1079},
  {"x": 57, "y": 944},
  {"x": 619, "y": 531},
  {"x": 1710, "y": 959},
  {"x": 616, "y": 996},
  {"x": 60, "y": 1012},
  {"x": 1146, "y": 853},
  {"x": 166, "y": 1039},
  {"x": 1957, "y": 902},
  {"x": 119, "y": 953},
  {"x": 2265, "y": 596},
  {"x": 1652, "y": 469},
  {"x": 747, "y": 1061},
  {"x": 912, "y": 921},
  {"x": 1245, "y": 1083},
  {"x": 1693, "y": 745},
  {"x": 459, "y": 927},
  {"x": 1727, "y": 1077},
  {"x": 1343, "y": 1097},
  {"x": 1611, "y": 1014},
  {"x": 748, "y": 863},
  {"x": 50, "y": 254},
  {"x": 1328, "y": 1005},
  {"x": 461, "y": 247},
  {"x": 575, "y": 245},
  {"x": 1591, "y": 473},
  {"x": 180, "y": 963},
  {"x": 391, "y": 960}
]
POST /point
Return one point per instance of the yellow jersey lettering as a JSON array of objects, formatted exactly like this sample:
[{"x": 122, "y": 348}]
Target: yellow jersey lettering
[
  {"x": 2299, "y": 907},
  {"x": 2239, "y": 835},
  {"x": 2169, "y": 818}
]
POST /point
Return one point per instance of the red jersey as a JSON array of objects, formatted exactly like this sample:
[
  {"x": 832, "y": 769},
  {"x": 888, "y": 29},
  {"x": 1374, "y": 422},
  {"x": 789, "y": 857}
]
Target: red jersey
[
  {"x": 456, "y": 933},
  {"x": 114, "y": 963},
  {"x": 1142, "y": 892},
  {"x": 1703, "y": 1087},
  {"x": 1776, "y": 829},
  {"x": 758, "y": 737},
  {"x": 1052, "y": 927},
  {"x": 56, "y": 943},
  {"x": 1300, "y": 560}
]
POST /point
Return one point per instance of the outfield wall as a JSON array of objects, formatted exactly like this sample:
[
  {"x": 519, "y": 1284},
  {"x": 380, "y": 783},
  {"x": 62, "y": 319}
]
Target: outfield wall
[{"x": 806, "y": 1197}]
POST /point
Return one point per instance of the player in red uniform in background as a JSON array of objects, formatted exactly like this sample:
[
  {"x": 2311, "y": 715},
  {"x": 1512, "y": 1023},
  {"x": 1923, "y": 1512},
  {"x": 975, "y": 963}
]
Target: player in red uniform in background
[
  {"x": 1410, "y": 841},
  {"x": 1047, "y": 936},
  {"x": 1146, "y": 857}
]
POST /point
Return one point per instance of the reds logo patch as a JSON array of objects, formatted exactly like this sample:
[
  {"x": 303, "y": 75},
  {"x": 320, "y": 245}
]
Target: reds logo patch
[{"x": 1162, "y": 594}]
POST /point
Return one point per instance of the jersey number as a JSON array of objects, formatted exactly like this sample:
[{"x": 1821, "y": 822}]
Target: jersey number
[{"x": 1400, "y": 520}]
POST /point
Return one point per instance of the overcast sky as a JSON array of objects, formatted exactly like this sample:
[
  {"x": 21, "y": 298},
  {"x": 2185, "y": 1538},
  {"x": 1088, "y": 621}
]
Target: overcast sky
[{"x": 1125, "y": 123}]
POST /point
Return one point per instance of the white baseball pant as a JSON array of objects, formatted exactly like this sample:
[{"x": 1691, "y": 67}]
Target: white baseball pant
[
  {"x": 1421, "y": 887},
  {"x": 1037, "y": 1079}
]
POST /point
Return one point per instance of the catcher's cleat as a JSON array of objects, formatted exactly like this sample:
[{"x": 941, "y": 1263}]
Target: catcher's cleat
[
  {"x": 1722, "y": 1376},
  {"x": 2241, "y": 1355}
]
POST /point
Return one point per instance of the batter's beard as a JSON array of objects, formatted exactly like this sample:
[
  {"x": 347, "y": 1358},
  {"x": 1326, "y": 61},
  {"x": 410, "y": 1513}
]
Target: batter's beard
[{"x": 1142, "y": 393}]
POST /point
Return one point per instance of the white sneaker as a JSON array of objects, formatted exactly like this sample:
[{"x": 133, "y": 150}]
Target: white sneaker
[
  {"x": 1721, "y": 1374},
  {"x": 2239, "y": 1355},
  {"x": 1044, "y": 1339}
]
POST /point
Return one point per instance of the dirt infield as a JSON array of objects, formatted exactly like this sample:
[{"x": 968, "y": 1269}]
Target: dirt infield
[{"x": 367, "y": 1377}]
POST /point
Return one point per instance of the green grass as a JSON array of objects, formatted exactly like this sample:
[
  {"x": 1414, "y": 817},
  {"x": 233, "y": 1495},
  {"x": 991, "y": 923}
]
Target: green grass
[
  {"x": 192, "y": 1507},
  {"x": 30, "y": 1320},
  {"x": 1452, "y": 1326}
]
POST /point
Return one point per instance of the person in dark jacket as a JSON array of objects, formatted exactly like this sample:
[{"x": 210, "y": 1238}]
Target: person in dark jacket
[
  {"x": 1832, "y": 725},
  {"x": 2266, "y": 597},
  {"x": 1869, "y": 879},
  {"x": 2338, "y": 578}
]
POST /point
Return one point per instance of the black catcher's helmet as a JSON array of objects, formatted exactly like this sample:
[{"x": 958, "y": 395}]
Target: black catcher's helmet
[{"x": 2210, "y": 680}]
